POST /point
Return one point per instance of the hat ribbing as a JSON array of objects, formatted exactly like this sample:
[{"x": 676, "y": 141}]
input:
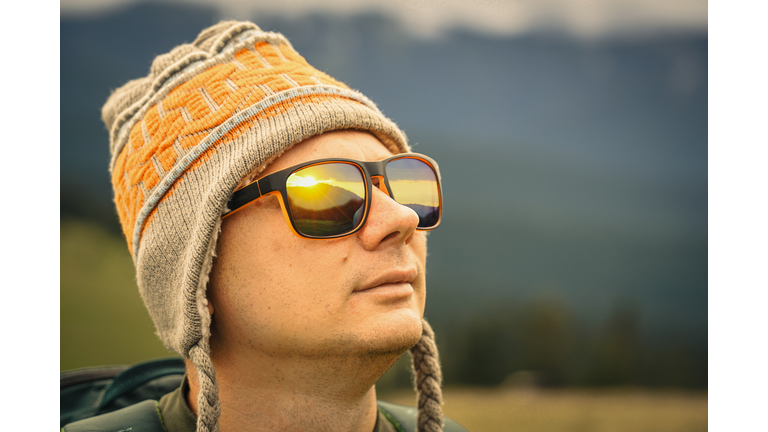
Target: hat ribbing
[{"x": 209, "y": 114}]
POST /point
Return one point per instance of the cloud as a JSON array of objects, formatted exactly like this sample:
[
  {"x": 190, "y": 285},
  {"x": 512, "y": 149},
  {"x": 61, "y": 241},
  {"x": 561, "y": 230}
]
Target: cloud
[{"x": 429, "y": 18}]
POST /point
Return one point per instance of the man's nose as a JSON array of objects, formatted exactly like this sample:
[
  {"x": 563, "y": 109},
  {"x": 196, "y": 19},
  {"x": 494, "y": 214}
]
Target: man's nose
[{"x": 388, "y": 222}]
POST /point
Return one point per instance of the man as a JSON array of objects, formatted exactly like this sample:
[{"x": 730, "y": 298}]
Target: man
[{"x": 290, "y": 296}]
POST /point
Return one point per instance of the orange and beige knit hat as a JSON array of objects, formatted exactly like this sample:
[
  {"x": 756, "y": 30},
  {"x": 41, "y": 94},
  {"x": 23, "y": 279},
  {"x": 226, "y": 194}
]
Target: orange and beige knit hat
[{"x": 182, "y": 138}]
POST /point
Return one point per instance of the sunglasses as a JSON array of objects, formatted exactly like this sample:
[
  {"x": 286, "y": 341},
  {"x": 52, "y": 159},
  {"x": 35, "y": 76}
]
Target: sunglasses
[{"x": 331, "y": 198}]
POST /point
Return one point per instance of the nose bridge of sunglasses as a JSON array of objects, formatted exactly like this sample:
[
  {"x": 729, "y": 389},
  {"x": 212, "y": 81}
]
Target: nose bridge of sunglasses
[{"x": 379, "y": 183}]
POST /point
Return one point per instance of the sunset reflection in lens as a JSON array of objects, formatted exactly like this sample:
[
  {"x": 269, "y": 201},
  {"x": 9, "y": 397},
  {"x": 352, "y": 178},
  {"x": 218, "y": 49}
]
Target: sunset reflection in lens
[
  {"x": 413, "y": 184},
  {"x": 326, "y": 199}
]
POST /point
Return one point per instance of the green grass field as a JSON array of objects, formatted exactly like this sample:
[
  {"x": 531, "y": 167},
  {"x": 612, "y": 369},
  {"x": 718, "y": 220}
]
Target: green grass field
[
  {"x": 571, "y": 410},
  {"x": 103, "y": 320}
]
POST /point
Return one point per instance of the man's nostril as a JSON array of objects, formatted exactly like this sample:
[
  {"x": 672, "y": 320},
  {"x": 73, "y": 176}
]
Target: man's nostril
[{"x": 390, "y": 236}]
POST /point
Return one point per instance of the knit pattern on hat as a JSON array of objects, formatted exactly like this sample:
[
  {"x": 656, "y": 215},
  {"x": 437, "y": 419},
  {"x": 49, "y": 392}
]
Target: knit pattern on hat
[
  {"x": 208, "y": 115},
  {"x": 189, "y": 94}
]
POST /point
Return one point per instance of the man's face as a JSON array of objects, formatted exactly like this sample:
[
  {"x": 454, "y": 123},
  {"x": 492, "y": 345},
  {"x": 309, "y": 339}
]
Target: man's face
[{"x": 282, "y": 295}]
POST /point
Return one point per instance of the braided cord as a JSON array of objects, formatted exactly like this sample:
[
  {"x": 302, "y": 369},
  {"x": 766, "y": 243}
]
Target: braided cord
[
  {"x": 426, "y": 365},
  {"x": 208, "y": 403}
]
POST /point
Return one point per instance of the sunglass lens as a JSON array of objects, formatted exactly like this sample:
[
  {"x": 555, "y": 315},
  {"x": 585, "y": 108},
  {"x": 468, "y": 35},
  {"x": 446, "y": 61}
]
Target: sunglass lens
[
  {"x": 413, "y": 184},
  {"x": 326, "y": 200}
]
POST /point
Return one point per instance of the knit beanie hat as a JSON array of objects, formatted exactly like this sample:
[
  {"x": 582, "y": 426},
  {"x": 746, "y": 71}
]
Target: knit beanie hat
[{"x": 182, "y": 138}]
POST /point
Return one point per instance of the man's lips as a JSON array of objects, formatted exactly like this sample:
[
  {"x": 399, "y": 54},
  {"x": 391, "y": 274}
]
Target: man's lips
[{"x": 390, "y": 280}]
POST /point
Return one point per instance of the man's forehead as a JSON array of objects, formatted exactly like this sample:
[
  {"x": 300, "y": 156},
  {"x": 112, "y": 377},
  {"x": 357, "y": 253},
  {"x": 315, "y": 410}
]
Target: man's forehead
[{"x": 348, "y": 144}]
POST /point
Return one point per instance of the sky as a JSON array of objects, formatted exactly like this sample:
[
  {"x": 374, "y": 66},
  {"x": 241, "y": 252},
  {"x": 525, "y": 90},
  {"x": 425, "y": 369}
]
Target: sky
[{"x": 586, "y": 19}]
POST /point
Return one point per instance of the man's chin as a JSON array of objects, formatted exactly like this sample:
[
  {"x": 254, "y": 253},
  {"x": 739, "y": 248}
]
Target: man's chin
[
  {"x": 383, "y": 335},
  {"x": 393, "y": 336}
]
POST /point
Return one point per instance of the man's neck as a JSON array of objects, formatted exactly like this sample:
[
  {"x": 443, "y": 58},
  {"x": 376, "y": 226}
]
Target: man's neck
[{"x": 288, "y": 394}]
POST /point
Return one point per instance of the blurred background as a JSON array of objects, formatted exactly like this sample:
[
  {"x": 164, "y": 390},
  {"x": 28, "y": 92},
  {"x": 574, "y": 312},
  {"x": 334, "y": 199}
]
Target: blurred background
[{"x": 568, "y": 280}]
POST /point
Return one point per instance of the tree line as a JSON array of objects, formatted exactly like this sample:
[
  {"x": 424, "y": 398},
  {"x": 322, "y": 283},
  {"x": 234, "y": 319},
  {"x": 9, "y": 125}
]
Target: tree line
[{"x": 542, "y": 343}]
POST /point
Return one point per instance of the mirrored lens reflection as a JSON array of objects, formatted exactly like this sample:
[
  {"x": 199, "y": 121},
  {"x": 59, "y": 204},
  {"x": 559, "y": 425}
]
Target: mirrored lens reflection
[
  {"x": 326, "y": 199},
  {"x": 413, "y": 184}
]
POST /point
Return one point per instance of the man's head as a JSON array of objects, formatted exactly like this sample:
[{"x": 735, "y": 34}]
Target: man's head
[
  {"x": 274, "y": 291},
  {"x": 236, "y": 104}
]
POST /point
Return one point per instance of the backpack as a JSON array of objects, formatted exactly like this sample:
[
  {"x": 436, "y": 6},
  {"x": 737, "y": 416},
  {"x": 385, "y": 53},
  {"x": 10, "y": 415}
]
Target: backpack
[{"x": 122, "y": 398}]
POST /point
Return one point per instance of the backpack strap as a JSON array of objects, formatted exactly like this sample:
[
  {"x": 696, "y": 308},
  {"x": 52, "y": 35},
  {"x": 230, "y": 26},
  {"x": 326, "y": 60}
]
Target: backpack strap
[
  {"x": 142, "y": 373},
  {"x": 141, "y": 417},
  {"x": 403, "y": 418},
  {"x": 93, "y": 391}
]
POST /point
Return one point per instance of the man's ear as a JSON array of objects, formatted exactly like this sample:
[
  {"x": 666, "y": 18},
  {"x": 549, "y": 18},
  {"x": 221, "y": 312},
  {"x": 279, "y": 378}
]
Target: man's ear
[{"x": 210, "y": 306}]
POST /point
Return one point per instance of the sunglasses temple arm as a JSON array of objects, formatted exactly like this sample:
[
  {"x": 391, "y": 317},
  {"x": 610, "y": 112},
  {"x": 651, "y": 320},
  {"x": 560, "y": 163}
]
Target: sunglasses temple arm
[{"x": 248, "y": 194}]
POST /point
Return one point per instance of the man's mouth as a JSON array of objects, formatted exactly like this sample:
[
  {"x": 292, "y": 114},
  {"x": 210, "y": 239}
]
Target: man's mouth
[{"x": 393, "y": 281}]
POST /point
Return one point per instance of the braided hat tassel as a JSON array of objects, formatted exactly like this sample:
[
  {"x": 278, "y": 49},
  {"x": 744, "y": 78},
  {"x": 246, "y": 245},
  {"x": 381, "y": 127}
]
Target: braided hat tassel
[
  {"x": 208, "y": 403},
  {"x": 429, "y": 377}
]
